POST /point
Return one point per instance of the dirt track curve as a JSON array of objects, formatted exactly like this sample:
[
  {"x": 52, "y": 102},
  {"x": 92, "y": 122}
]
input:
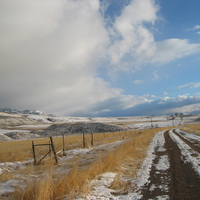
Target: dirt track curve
[{"x": 181, "y": 177}]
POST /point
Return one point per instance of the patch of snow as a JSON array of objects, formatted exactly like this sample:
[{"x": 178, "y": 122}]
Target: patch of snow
[
  {"x": 74, "y": 152},
  {"x": 100, "y": 189},
  {"x": 10, "y": 166},
  {"x": 189, "y": 136},
  {"x": 9, "y": 186},
  {"x": 148, "y": 124},
  {"x": 187, "y": 152},
  {"x": 34, "y": 126},
  {"x": 163, "y": 163},
  {"x": 100, "y": 185},
  {"x": 163, "y": 197},
  {"x": 157, "y": 142},
  {"x": 153, "y": 187},
  {"x": 3, "y": 131},
  {"x": 6, "y": 186}
]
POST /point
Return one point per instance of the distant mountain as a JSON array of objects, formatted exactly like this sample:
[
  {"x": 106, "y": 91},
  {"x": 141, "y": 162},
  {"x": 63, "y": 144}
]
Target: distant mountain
[{"x": 27, "y": 112}]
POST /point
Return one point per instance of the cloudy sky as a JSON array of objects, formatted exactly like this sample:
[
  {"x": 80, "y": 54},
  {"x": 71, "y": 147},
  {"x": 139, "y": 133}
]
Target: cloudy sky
[{"x": 100, "y": 57}]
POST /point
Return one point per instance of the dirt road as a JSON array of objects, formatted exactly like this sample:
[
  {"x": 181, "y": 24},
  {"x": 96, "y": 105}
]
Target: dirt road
[{"x": 175, "y": 171}]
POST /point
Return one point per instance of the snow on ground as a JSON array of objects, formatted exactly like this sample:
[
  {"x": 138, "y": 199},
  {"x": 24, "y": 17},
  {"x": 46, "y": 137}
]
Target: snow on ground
[
  {"x": 140, "y": 122},
  {"x": 189, "y": 137},
  {"x": 10, "y": 166},
  {"x": 9, "y": 135},
  {"x": 187, "y": 152},
  {"x": 100, "y": 185},
  {"x": 82, "y": 151},
  {"x": 63, "y": 119},
  {"x": 36, "y": 126},
  {"x": 8, "y": 186},
  {"x": 148, "y": 125},
  {"x": 157, "y": 143},
  {"x": 163, "y": 163},
  {"x": 4, "y": 131}
]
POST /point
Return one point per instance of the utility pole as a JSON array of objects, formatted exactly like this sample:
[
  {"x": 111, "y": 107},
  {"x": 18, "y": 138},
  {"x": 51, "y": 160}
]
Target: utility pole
[{"x": 151, "y": 121}]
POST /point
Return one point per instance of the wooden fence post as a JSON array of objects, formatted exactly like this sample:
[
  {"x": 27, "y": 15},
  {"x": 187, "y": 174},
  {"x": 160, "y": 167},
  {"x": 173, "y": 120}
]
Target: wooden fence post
[
  {"x": 54, "y": 152},
  {"x": 92, "y": 139},
  {"x": 34, "y": 157},
  {"x": 51, "y": 148},
  {"x": 63, "y": 138},
  {"x": 84, "y": 140}
]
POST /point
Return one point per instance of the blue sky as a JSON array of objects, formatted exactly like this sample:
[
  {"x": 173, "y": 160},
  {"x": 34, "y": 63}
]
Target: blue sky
[{"x": 100, "y": 57}]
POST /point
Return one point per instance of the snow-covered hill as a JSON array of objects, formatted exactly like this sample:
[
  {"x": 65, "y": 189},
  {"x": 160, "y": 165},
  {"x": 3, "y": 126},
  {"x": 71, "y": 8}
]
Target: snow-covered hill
[
  {"x": 27, "y": 112},
  {"x": 14, "y": 120},
  {"x": 81, "y": 128}
]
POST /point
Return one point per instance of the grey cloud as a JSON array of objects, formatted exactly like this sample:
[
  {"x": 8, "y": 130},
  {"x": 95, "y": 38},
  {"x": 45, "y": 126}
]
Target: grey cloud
[
  {"x": 51, "y": 50},
  {"x": 190, "y": 85},
  {"x": 156, "y": 107},
  {"x": 49, "y": 55}
]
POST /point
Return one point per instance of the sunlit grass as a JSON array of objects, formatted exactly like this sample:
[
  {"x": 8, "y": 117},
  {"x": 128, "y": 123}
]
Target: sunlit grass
[
  {"x": 22, "y": 150},
  {"x": 195, "y": 128},
  {"x": 126, "y": 159}
]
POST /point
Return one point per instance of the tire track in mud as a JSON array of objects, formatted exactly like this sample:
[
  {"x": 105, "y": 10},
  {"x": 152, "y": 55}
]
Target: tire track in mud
[
  {"x": 178, "y": 181},
  {"x": 193, "y": 144},
  {"x": 185, "y": 182}
]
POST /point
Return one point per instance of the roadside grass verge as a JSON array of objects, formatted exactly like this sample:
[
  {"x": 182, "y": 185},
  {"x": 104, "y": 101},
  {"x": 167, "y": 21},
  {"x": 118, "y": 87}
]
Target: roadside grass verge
[
  {"x": 126, "y": 159},
  {"x": 195, "y": 128},
  {"x": 22, "y": 150}
]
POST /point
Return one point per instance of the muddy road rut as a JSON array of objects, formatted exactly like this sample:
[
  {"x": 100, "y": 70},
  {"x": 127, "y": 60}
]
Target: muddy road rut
[{"x": 175, "y": 171}]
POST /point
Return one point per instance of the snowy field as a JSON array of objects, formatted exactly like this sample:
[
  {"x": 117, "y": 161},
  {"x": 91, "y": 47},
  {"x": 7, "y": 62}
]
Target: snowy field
[
  {"x": 143, "y": 122},
  {"x": 100, "y": 185}
]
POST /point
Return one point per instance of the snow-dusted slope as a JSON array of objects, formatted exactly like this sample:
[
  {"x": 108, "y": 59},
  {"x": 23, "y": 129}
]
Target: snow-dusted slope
[
  {"x": 82, "y": 128},
  {"x": 15, "y": 120},
  {"x": 28, "y": 112}
]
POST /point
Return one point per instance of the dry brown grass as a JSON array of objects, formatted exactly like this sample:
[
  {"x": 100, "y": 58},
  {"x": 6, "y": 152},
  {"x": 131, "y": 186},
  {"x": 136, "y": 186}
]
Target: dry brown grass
[
  {"x": 14, "y": 151},
  {"x": 22, "y": 150},
  {"x": 126, "y": 160},
  {"x": 195, "y": 128}
]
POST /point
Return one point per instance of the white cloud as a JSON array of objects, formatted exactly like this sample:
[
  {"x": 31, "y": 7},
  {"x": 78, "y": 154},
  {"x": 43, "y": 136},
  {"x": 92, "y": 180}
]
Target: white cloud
[
  {"x": 190, "y": 85},
  {"x": 51, "y": 50},
  {"x": 136, "y": 45},
  {"x": 155, "y": 76},
  {"x": 49, "y": 55},
  {"x": 138, "y": 82},
  {"x": 196, "y": 27},
  {"x": 129, "y": 26},
  {"x": 193, "y": 108},
  {"x": 171, "y": 49},
  {"x": 161, "y": 106}
]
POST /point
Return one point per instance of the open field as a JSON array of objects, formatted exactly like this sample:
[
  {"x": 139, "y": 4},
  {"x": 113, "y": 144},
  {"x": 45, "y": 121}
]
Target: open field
[
  {"x": 111, "y": 151},
  {"x": 194, "y": 128},
  {"x": 21, "y": 150},
  {"x": 112, "y": 165}
]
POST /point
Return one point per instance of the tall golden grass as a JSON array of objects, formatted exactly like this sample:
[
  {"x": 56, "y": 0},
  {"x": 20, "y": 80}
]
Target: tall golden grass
[
  {"x": 22, "y": 150},
  {"x": 195, "y": 128},
  {"x": 125, "y": 159}
]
